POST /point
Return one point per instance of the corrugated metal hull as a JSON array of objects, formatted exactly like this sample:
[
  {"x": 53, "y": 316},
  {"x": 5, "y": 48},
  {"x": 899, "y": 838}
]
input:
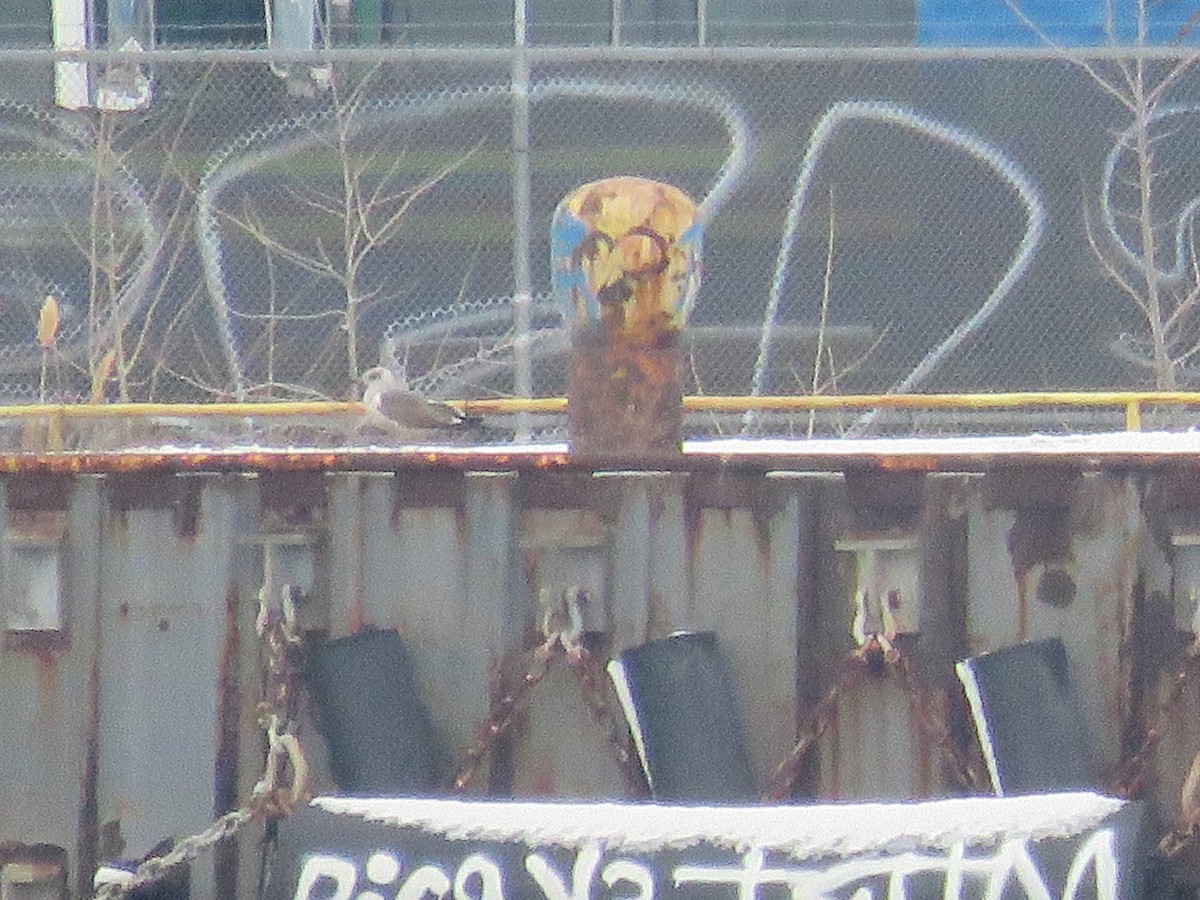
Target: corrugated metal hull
[{"x": 137, "y": 719}]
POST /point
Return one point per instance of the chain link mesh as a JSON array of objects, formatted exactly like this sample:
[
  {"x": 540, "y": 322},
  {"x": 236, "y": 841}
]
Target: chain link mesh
[{"x": 228, "y": 228}]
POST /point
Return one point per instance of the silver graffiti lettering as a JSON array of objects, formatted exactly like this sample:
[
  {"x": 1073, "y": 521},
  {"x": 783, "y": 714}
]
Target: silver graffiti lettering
[
  {"x": 491, "y": 881},
  {"x": 626, "y": 870},
  {"x": 1010, "y": 865},
  {"x": 587, "y": 861},
  {"x": 424, "y": 880},
  {"x": 1097, "y": 850},
  {"x": 318, "y": 868},
  {"x": 1008, "y": 869}
]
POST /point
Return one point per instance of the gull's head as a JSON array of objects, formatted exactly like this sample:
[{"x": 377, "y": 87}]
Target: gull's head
[
  {"x": 386, "y": 376},
  {"x": 378, "y": 375},
  {"x": 375, "y": 381}
]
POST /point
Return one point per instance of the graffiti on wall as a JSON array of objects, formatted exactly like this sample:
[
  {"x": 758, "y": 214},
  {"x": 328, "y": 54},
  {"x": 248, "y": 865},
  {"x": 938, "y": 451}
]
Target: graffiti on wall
[
  {"x": 479, "y": 876},
  {"x": 1070, "y": 846},
  {"x": 445, "y": 250}
]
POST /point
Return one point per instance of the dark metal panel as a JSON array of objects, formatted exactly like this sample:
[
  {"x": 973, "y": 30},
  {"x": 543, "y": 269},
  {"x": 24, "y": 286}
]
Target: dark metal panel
[
  {"x": 818, "y": 642},
  {"x": 432, "y": 559},
  {"x": 125, "y": 731},
  {"x": 494, "y": 607},
  {"x": 943, "y": 576},
  {"x": 84, "y": 604},
  {"x": 634, "y": 616},
  {"x": 744, "y": 551},
  {"x": 943, "y": 628},
  {"x": 567, "y": 529},
  {"x": 1160, "y": 631},
  {"x": 871, "y": 752},
  {"x": 371, "y": 592},
  {"x": 241, "y": 739},
  {"x": 351, "y": 496},
  {"x": 650, "y": 559},
  {"x": 875, "y": 749},
  {"x": 1086, "y": 602},
  {"x": 163, "y": 630},
  {"x": 425, "y": 569},
  {"x": 1066, "y": 571},
  {"x": 560, "y": 750},
  {"x": 993, "y": 605},
  {"x": 668, "y": 583},
  {"x": 898, "y": 533},
  {"x": 47, "y": 738},
  {"x": 781, "y": 527}
]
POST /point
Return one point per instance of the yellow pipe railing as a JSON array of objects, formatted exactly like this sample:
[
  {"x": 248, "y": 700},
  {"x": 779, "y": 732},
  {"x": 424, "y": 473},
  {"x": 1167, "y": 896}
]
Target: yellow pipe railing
[
  {"x": 1133, "y": 403},
  {"x": 118, "y": 410}
]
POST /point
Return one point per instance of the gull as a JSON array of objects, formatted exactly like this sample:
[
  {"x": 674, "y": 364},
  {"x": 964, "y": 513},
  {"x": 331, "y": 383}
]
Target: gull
[{"x": 390, "y": 402}]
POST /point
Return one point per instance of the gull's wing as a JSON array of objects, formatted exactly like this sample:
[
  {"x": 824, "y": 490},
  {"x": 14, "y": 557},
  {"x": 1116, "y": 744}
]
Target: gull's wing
[{"x": 410, "y": 410}]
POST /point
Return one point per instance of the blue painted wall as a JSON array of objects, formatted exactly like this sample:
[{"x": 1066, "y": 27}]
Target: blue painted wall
[{"x": 1072, "y": 23}]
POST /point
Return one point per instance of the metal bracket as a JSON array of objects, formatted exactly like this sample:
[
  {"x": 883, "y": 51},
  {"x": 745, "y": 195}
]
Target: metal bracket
[
  {"x": 1185, "y": 580},
  {"x": 32, "y": 558},
  {"x": 884, "y": 585},
  {"x": 32, "y": 880},
  {"x": 292, "y": 570},
  {"x": 567, "y": 555},
  {"x": 566, "y": 614}
]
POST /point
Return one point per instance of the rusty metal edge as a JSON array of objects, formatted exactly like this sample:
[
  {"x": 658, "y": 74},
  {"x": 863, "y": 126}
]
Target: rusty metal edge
[{"x": 524, "y": 459}]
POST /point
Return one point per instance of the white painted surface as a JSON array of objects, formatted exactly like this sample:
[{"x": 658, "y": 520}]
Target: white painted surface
[{"x": 802, "y": 832}]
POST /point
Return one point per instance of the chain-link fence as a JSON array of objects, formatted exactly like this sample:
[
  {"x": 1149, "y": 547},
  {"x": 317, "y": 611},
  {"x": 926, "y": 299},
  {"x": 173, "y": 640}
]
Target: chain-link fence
[{"x": 227, "y": 225}]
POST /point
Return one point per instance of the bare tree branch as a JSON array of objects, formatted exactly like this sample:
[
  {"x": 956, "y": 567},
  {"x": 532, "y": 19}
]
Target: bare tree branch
[{"x": 1107, "y": 86}]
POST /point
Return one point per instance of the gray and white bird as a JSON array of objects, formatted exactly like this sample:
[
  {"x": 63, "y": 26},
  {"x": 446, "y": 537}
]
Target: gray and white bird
[{"x": 391, "y": 403}]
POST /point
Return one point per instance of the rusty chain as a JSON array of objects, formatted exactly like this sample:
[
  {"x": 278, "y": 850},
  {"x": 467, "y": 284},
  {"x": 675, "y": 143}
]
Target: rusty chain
[
  {"x": 877, "y": 656},
  {"x": 278, "y": 710},
  {"x": 271, "y": 797},
  {"x": 815, "y": 724},
  {"x": 881, "y": 657},
  {"x": 1130, "y": 776},
  {"x": 597, "y": 694},
  {"x": 183, "y": 851},
  {"x": 929, "y": 706},
  {"x": 1178, "y": 839},
  {"x": 508, "y": 705}
]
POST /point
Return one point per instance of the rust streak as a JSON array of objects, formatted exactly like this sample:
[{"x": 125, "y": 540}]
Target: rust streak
[
  {"x": 227, "y": 736},
  {"x": 355, "y": 616},
  {"x": 88, "y": 846},
  {"x": 508, "y": 459},
  {"x": 908, "y": 463}
]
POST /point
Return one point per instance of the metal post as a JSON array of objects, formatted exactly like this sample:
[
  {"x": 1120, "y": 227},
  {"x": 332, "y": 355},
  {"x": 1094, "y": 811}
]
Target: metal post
[
  {"x": 701, "y": 22},
  {"x": 71, "y": 23},
  {"x": 625, "y": 262},
  {"x": 522, "y": 214}
]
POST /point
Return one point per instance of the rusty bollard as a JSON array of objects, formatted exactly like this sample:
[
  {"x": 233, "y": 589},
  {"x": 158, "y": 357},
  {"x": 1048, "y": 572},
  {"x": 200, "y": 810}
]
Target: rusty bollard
[{"x": 626, "y": 263}]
